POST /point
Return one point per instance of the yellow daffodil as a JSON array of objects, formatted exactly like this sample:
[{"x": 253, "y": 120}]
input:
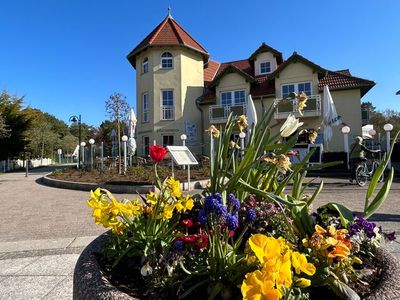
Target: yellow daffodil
[
  {"x": 242, "y": 122},
  {"x": 301, "y": 102},
  {"x": 213, "y": 132},
  {"x": 173, "y": 187},
  {"x": 167, "y": 212},
  {"x": 255, "y": 287},
  {"x": 152, "y": 198}
]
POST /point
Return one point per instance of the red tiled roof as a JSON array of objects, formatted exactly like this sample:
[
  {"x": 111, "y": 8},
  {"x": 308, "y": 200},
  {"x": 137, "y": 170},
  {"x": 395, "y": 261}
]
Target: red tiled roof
[
  {"x": 168, "y": 32},
  {"x": 340, "y": 81},
  {"x": 210, "y": 69},
  {"x": 262, "y": 87},
  {"x": 344, "y": 72},
  {"x": 243, "y": 65}
]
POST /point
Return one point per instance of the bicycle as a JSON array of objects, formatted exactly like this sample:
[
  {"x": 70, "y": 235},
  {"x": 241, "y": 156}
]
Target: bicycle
[{"x": 363, "y": 173}]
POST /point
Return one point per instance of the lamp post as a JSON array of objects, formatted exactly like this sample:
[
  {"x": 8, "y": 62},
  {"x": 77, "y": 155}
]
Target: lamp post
[
  {"x": 345, "y": 131},
  {"x": 183, "y": 139},
  {"x": 78, "y": 119},
  {"x": 83, "y": 144},
  {"x": 242, "y": 136},
  {"x": 91, "y": 142},
  {"x": 124, "y": 139},
  {"x": 388, "y": 128}
]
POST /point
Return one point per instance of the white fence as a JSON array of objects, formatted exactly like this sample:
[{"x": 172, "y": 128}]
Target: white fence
[{"x": 13, "y": 164}]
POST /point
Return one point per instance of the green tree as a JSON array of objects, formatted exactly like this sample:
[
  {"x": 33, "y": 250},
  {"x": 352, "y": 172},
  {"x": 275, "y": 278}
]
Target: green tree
[
  {"x": 4, "y": 131},
  {"x": 117, "y": 109},
  {"x": 13, "y": 143}
]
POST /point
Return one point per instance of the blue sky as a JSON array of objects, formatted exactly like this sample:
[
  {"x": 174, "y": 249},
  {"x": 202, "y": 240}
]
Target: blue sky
[{"x": 68, "y": 56}]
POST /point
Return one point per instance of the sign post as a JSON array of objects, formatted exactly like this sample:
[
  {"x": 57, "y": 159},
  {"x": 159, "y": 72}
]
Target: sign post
[{"x": 182, "y": 156}]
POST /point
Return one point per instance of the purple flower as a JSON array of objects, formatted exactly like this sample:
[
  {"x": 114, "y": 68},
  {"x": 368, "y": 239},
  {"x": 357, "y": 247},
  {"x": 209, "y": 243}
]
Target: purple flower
[
  {"x": 391, "y": 236},
  {"x": 234, "y": 203},
  {"x": 218, "y": 197},
  {"x": 179, "y": 246},
  {"x": 202, "y": 216},
  {"x": 232, "y": 222},
  {"x": 250, "y": 216}
]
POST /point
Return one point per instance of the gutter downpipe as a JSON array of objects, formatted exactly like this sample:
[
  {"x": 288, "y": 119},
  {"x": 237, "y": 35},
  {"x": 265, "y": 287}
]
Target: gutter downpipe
[{"x": 201, "y": 124}]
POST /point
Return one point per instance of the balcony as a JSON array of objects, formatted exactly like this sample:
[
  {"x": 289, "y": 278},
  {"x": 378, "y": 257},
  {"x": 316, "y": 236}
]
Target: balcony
[
  {"x": 220, "y": 113},
  {"x": 285, "y": 107},
  {"x": 167, "y": 112}
]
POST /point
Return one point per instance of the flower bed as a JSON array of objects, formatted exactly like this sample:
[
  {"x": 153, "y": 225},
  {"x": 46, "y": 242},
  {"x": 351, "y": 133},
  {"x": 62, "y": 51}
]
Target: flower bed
[{"x": 244, "y": 236}]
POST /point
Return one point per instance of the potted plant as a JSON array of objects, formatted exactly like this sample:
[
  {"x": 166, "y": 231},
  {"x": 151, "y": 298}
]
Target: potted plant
[{"x": 244, "y": 237}]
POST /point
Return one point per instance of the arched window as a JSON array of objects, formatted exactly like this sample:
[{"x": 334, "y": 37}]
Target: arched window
[
  {"x": 166, "y": 60},
  {"x": 145, "y": 65}
]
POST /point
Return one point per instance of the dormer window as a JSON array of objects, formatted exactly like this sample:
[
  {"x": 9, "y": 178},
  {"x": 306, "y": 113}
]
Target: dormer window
[
  {"x": 145, "y": 65},
  {"x": 166, "y": 60},
  {"x": 265, "y": 67}
]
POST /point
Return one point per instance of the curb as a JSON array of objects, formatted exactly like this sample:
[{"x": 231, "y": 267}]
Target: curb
[{"x": 114, "y": 188}]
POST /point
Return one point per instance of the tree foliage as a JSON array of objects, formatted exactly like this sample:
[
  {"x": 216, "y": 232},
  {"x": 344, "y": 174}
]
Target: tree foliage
[
  {"x": 117, "y": 109},
  {"x": 16, "y": 122},
  {"x": 380, "y": 118}
]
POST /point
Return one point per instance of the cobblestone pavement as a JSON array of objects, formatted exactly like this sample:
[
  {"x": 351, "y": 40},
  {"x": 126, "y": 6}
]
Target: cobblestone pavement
[{"x": 43, "y": 230}]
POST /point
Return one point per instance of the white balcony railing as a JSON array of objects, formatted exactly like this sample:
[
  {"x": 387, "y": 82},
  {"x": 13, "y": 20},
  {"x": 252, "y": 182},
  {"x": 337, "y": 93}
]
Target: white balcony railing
[
  {"x": 220, "y": 113},
  {"x": 284, "y": 107},
  {"x": 168, "y": 112}
]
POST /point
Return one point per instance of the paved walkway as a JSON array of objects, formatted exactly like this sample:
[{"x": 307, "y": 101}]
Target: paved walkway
[{"x": 43, "y": 230}]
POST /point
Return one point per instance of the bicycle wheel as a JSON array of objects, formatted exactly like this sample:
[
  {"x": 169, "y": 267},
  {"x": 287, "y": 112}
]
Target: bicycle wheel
[{"x": 361, "y": 177}]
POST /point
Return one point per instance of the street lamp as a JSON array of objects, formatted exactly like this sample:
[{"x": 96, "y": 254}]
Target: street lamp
[
  {"x": 345, "y": 131},
  {"x": 124, "y": 139},
  {"x": 83, "y": 144},
  {"x": 388, "y": 128},
  {"x": 91, "y": 142},
  {"x": 78, "y": 119},
  {"x": 242, "y": 136},
  {"x": 183, "y": 138}
]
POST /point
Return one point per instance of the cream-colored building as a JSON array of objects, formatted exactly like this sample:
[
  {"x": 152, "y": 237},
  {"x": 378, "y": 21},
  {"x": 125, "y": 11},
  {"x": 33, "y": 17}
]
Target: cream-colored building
[{"x": 179, "y": 89}]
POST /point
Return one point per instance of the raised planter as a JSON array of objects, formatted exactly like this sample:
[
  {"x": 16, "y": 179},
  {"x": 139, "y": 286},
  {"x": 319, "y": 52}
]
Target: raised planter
[
  {"x": 89, "y": 282},
  {"x": 114, "y": 188}
]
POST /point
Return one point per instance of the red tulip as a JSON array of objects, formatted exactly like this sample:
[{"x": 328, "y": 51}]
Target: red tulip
[{"x": 157, "y": 153}]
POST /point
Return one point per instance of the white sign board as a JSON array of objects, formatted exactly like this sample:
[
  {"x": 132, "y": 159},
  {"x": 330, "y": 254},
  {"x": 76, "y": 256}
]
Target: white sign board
[{"x": 182, "y": 155}]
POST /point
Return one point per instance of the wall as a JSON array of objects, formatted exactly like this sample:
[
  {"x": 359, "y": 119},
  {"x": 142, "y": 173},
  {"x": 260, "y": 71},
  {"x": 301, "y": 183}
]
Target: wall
[
  {"x": 293, "y": 73},
  {"x": 186, "y": 81},
  {"x": 264, "y": 57}
]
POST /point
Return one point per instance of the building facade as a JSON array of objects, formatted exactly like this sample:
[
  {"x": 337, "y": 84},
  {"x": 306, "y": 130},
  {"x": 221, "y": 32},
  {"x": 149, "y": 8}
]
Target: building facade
[{"x": 179, "y": 89}]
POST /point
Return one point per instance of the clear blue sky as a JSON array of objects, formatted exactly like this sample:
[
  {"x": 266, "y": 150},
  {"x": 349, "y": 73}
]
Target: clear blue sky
[{"x": 68, "y": 56}]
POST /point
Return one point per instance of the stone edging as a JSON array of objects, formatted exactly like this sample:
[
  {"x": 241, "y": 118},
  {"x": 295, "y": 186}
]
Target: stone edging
[
  {"x": 114, "y": 188},
  {"x": 89, "y": 282}
]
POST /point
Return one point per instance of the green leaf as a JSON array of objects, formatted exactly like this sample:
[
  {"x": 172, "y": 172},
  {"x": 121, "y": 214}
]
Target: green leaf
[
  {"x": 343, "y": 290},
  {"x": 380, "y": 197},
  {"x": 379, "y": 171},
  {"x": 192, "y": 288},
  {"x": 345, "y": 214}
]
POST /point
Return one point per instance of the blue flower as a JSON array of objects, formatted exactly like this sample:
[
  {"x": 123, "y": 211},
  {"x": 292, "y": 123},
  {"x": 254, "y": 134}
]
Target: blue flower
[
  {"x": 202, "y": 217},
  {"x": 179, "y": 246},
  {"x": 220, "y": 210},
  {"x": 390, "y": 236},
  {"x": 232, "y": 222},
  {"x": 234, "y": 203},
  {"x": 210, "y": 203},
  {"x": 251, "y": 216}
]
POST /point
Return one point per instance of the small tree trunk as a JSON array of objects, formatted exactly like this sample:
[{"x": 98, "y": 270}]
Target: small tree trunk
[{"x": 119, "y": 148}]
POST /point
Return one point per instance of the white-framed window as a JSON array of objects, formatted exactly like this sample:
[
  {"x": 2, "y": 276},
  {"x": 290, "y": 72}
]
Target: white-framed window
[
  {"x": 146, "y": 108},
  {"x": 167, "y": 104},
  {"x": 265, "y": 67},
  {"x": 167, "y": 140},
  {"x": 145, "y": 65},
  {"x": 146, "y": 145},
  {"x": 229, "y": 98},
  {"x": 166, "y": 60},
  {"x": 297, "y": 88}
]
